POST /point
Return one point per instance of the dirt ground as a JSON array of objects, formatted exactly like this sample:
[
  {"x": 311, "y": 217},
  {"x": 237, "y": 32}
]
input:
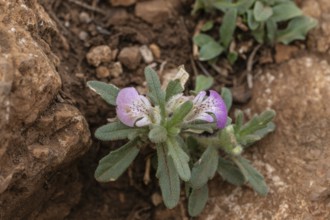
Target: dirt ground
[{"x": 295, "y": 159}]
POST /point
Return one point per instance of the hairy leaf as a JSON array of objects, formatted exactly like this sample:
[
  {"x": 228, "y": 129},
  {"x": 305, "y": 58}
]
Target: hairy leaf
[
  {"x": 252, "y": 23},
  {"x": 227, "y": 97},
  {"x": 180, "y": 158},
  {"x": 157, "y": 134},
  {"x": 108, "y": 92},
  {"x": 180, "y": 113},
  {"x": 252, "y": 175},
  {"x": 169, "y": 181},
  {"x": 230, "y": 172},
  {"x": 271, "y": 30},
  {"x": 205, "y": 168},
  {"x": 241, "y": 5},
  {"x": 207, "y": 26},
  {"x": 257, "y": 122},
  {"x": 285, "y": 11},
  {"x": 203, "y": 83},
  {"x": 297, "y": 29},
  {"x": 202, "y": 39},
  {"x": 210, "y": 50},
  {"x": 197, "y": 200},
  {"x": 115, "y": 131},
  {"x": 114, "y": 164},
  {"x": 156, "y": 94},
  {"x": 262, "y": 12},
  {"x": 173, "y": 88},
  {"x": 228, "y": 27}
]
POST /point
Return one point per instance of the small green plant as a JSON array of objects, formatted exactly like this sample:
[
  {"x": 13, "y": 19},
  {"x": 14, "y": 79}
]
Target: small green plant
[
  {"x": 268, "y": 21},
  {"x": 191, "y": 137}
]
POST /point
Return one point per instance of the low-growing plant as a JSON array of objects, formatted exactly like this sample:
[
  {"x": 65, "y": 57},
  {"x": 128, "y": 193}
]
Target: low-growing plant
[
  {"x": 268, "y": 21},
  {"x": 191, "y": 137}
]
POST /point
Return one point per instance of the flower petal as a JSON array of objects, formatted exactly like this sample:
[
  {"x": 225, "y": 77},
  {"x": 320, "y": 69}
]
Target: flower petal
[
  {"x": 132, "y": 107},
  {"x": 203, "y": 107}
]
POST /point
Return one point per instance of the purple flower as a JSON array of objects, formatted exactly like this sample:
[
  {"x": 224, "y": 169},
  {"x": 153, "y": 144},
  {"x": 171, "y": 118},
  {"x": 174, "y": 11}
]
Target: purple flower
[
  {"x": 204, "y": 106},
  {"x": 133, "y": 109}
]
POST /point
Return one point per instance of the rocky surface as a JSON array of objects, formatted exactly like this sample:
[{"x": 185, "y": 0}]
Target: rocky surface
[
  {"x": 294, "y": 159},
  {"x": 40, "y": 137}
]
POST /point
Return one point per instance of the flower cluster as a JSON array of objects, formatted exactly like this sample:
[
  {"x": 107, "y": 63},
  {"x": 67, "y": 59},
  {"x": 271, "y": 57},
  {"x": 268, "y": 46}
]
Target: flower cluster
[{"x": 134, "y": 109}]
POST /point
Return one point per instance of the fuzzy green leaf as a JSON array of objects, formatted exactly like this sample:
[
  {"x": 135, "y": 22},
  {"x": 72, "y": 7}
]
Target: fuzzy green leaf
[
  {"x": 228, "y": 141},
  {"x": 227, "y": 97},
  {"x": 228, "y": 27},
  {"x": 115, "y": 131},
  {"x": 262, "y": 12},
  {"x": 157, "y": 134},
  {"x": 114, "y": 164},
  {"x": 252, "y": 175},
  {"x": 205, "y": 168},
  {"x": 180, "y": 158},
  {"x": 232, "y": 57},
  {"x": 252, "y": 23},
  {"x": 297, "y": 29},
  {"x": 207, "y": 26},
  {"x": 173, "y": 88},
  {"x": 200, "y": 127},
  {"x": 210, "y": 50},
  {"x": 271, "y": 30},
  {"x": 203, "y": 83},
  {"x": 202, "y": 39},
  {"x": 285, "y": 11},
  {"x": 156, "y": 94},
  {"x": 197, "y": 200},
  {"x": 259, "y": 33},
  {"x": 169, "y": 181},
  {"x": 257, "y": 122},
  {"x": 230, "y": 172},
  {"x": 241, "y": 5},
  {"x": 108, "y": 92},
  {"x": 179, "y": 114}
]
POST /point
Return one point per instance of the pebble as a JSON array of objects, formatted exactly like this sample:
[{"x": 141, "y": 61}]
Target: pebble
[
  {"x": 116, "y": 69},
  {"x": 98, "y": 55},
  {"x": 156, "y": 11},
  {"x": 155, "y": 50},
  {"x": 146, "y": 54},
  {"x": 102, "y": 72},
  {"x": 130, "y": 57},
  {"x": 156, "y": 199},
  {"x": 83, "y": 35},
  {"x": 84, "y": 17}
]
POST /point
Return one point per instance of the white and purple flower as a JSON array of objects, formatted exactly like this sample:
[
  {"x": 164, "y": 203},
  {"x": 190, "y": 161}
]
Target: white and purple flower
[
  {"x": 206, "y": 106},
  {"x": 136, "y": 110}
]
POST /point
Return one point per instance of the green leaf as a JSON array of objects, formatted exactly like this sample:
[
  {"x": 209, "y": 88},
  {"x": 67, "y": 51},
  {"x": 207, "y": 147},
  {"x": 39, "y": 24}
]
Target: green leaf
[
  {"x": 252, "y": 23},
  {"x": 203, "y": 83},
  {"x": 173, "y": 88},
  {"x": 207, "y": 26},
  {"x": 156, "y": 94},
  {"x": 232, "y": 57},
  {"x": 169, "y": 181},
  {"x": 297, "y": 29},
  {"x": 197, "y": 200},
  {"x": 107, "y": 91},
  {"x": 262, "y": 12},
  {"x": 227, "y": 97},
  {"x": 239, "y": 117},
  {"x": 228, "y": 27},
  {"x": 264, "y": 131},
  {"x": 242, "y": 5},
  {"x": 115, "y": 131},
  {"x": 230, "y": 172},
  {"x": 180, "y": 158},
  {"x": 157, "y": 134},
  {"x": 257, "y": 122},
  {"x": 179, "y": 114},
  {"x": 228, "y": 142},
  {"x": 252, "y": 175},
  {"x": 205, "y": 168},
  {"x": 285, "y": 11},
  {"x": 271, "y": 30},
  {"x": 200, "y": 127},
  {"x": 259, "y": 33},
  {"x": 202, "y": 39},
  {"x": 114, "y": 164},
  {"x": 210, "y": 50}
]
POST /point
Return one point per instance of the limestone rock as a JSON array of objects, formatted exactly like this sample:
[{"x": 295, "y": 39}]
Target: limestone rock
[
  {"x": 40, "y": 138},
  {"x": 98, "y": 55},
  {"x": 155, "y": 11}
]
